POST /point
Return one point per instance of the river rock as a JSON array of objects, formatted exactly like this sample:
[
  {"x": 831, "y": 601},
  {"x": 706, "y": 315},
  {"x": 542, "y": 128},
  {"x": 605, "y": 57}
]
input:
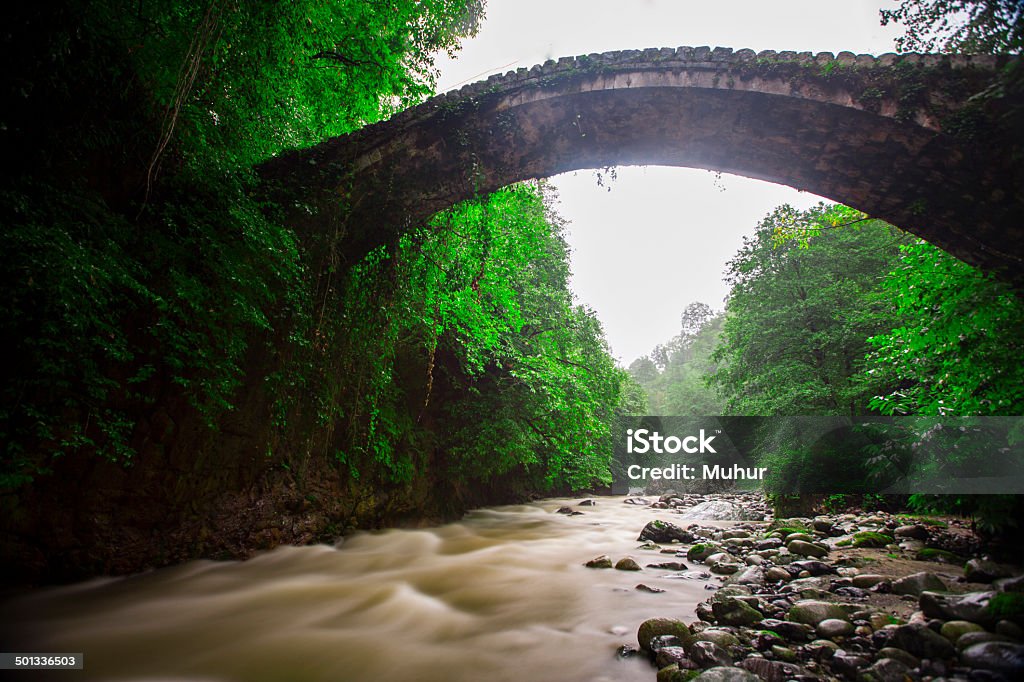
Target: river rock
[
  {"x": 969, "y": 639},
  {"x": 669, "y": 566},
  {"x": 830, "y": 628},
  {"x": 702, "y": 551},
  {"x": 954, "y": 629},
  {"x": 849, "y": 665},
  {"x": 984, "y": 571},
  {"x": 776, "y": 574},
  {"x": 905, "y": 657},
  {"x": 603, "y": 561},
  {"x": 867, "y": 580},
  {"x": 916, "y": 583},
  {"x": 665, "y": 532},
  {"x": 674, "y": 655},
  {"x": 587, "y": 503},
  {"x": 654, "y": 627},
  {"x": 733, "y": 611},
  {"x": 813, "y": 567},
  {"x": 639, "y": 501},
  {"x": 811, "y": 612},
  {"x": 921, "y": 641},
  {"x": 768, "y": 543},
  {"x": 627, "y": 563},
  {"x": 889, "y": 670},
  {"x": 972, "y": 606},
  {"x": 751, "y": 575},
  {"x": 726, "y": 674},
  {"x": 1005, "y": 658},
  {"x": 648, "y": 588},
  {"x": 720, "y": 510},
  {"x": 804, "y": 548},
  {"x": 915, "y": 531},
  {"x": 803, "y": 537},
  {"x": 722, "y": 638},
  {"x": 708, "y": 654},
  {"x": 788, "y": 630},
  {"x": 771, "y": 671}
]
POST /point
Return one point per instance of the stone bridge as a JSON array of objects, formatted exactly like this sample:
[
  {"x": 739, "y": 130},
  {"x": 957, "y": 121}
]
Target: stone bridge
[{"x": 930, "y": 143}]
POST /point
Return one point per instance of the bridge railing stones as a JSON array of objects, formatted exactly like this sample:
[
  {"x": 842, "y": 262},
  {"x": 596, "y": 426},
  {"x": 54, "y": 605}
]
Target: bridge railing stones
[{"x": 680, "y": 58}]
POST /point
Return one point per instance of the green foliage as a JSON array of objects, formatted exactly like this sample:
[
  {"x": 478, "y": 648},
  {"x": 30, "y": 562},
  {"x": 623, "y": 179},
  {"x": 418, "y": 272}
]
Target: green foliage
[
  {"x": 674, "y": 375},
  {"x": 867, "y": 538},
  {"x": 958, "y": 349},
  {"x": 1007, "y": 605},
  {"x": 517, "y": 376},
  {"x": 804, "y": 299},
  {"x": 141, "y": 271},
  {"x": 964, "y": 26}
]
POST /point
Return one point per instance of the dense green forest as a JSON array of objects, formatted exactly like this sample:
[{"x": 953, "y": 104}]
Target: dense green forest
[
  {"x": 832, "y": 313},
  {"x": 164, "y": 317}
]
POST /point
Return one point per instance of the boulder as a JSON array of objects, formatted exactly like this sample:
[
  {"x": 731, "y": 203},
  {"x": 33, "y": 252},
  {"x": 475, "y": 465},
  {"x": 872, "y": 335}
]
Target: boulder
[
  {"x": 972, "y": 606},
  {"x": 921, "y": 641},
  {"x": 708, "y": 654},
  {"x": 665, "y": 532},
  {"x": 1005, "y": 658},
  {"x": 804, "y": 548},
  {"x": 954, "y": 629},
  {"x": 655, "y": 627},
  {"x": 627, "y": 563},
  {"x": 602, "y": 561},
  {"x": 720, "y": 510},
  {"x": 984, "y": 571},
  {"x": 812, "y": 612},
  {"x": 733, "y": 611},
  {"x": 916, "y": 583},
  {"x": 830, "y": 628}
]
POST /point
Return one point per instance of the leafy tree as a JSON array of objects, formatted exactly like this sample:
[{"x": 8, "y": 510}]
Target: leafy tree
[
  {"x": 139, "y": 265},
  {"x": 801, "y": 310},
  {"x": 958, "y": 349},
  {"x": 965, "y": 26}
]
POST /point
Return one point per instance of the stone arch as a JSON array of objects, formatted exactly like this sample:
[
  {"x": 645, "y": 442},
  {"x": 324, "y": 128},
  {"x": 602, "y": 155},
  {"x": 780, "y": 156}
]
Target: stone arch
[{"x": 899, "y": 138}]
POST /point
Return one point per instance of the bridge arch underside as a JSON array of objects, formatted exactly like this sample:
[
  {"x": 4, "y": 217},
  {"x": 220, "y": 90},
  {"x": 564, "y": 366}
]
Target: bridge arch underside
[{"x": 903, "y": 171}]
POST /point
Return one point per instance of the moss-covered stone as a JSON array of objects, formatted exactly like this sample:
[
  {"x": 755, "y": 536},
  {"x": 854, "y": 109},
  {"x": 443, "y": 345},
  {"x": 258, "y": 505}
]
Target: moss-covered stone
[{"x": 869, "y": 538}]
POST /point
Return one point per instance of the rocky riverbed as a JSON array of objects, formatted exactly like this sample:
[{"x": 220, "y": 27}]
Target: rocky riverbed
[{"x": 868, "y": 597}]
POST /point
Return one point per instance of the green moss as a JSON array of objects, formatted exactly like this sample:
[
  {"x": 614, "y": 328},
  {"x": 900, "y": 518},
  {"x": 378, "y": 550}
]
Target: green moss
[
  {"x": 1007, "y": 605},
  {"x": 940, "y": 555},
  {"x": 868, "y": 538},
  {"x": 844, "y": 543}
]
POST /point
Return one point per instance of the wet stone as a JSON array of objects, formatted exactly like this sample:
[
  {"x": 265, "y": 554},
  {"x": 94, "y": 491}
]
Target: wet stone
[
  {"x": 647, "y": 588},
  {"x": 665, "y": 532},
  {"x": 921, "y": 641},
  {"x": 1001, "y": 657},
  {"x": 917, "y": 583},
  {"x": 708, "y": 655},
  {"x": 602, "y": 561},
  {"x": 627, "y": 564},
  {"x": 831, "y": 628}
]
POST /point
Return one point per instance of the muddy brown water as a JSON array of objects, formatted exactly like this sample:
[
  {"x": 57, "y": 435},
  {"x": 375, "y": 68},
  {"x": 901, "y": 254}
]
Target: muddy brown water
[{"x": 500, "y": 596}]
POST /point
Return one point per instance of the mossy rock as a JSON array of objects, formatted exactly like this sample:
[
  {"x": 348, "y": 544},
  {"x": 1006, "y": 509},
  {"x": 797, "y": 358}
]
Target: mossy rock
[
  {"x": 655, "y": 627},
  {"x": 1007, "y": 606},
  {"x": 870, "y": 539},
  {"x": 845, "y": 543},
  {"x": 939, "y": 555}
]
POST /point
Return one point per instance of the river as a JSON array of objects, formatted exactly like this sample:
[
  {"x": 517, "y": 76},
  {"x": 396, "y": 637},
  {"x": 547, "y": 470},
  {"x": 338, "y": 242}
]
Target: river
[{"x": 502, "y": 595}]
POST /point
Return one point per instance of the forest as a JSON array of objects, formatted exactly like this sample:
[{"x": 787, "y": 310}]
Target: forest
[{"x": 174, "y": 340}]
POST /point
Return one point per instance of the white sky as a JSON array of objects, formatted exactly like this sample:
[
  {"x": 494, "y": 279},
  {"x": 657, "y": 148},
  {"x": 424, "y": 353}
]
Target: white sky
[{"x": 661, "y": 237}]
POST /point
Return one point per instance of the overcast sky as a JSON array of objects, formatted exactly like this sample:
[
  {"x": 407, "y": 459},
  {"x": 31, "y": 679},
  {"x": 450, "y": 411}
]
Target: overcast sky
[{"x": 661, "y": 237}]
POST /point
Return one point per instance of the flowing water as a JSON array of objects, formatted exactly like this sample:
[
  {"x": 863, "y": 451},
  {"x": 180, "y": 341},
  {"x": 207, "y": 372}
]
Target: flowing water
[{"x": 500, "y": 596}]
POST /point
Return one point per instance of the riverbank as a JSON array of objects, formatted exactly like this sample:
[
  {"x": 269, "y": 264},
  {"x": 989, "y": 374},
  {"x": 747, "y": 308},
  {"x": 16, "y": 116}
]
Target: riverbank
[{"x": 867, "y": 596}]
